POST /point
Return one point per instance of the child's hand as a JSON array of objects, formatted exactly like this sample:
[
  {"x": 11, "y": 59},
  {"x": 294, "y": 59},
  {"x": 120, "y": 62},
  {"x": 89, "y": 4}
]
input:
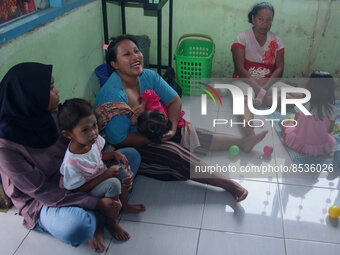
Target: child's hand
[
  {"x": 128, "y": 181},
  {"x": 121, "y": 158},
  {"x": 169, "y": 135},
  {"x": 113, "y": 171}
]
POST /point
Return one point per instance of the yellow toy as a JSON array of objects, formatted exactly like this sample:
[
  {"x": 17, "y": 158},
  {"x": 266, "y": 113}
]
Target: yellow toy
[
  {"x": 334, "y": 212},
  {"x": 292, "y": 116}
]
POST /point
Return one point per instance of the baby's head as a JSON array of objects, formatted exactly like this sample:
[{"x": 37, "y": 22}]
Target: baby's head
[
  {"x": 153, "y": 124},
  {"x": 77, "y": 121},
  {"x": 322, "y": 88}
]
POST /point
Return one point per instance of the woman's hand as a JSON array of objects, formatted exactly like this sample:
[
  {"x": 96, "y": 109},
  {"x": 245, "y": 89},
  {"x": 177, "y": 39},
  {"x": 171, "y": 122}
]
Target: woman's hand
[
  {"x": 138, "y": 111},
  {"x": 169, "y": 135},
  {"x": 113, "y": 171},
  {"x": 267, "y": 86},
  {"x": 109, "y": 207},
  {"x": 128, "y": 181},
  {"x": 120, "y": 158}
]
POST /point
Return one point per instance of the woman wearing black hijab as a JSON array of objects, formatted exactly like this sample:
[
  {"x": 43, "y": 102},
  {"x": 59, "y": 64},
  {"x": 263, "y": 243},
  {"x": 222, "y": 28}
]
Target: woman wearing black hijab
[{"x": 31, "y": 152}]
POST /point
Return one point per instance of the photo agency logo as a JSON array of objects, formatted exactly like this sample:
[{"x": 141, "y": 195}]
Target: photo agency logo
[
  {"x": 238, "y": 104},
  {"x": 204, "y": 97}
]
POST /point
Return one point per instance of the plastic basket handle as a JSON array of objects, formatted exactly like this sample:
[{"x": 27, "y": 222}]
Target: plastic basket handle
[{"x": 195, "y": 35}]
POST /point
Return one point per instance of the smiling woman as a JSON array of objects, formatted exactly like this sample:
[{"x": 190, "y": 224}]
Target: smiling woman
[{"x": 168, "y": 160}]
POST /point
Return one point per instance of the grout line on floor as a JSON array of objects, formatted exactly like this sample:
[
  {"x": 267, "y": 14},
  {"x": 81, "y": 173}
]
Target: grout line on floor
[
  {"x": 313, "y": 241},
  {"x": 21, "y": 242},
  {"x": 307, "y": 186},
  {"x": 162, "y": 224},
  {"x": 199, "y": 233},
  {"x": 242, "y": 233},
  {"x": 282, "y": 219}
]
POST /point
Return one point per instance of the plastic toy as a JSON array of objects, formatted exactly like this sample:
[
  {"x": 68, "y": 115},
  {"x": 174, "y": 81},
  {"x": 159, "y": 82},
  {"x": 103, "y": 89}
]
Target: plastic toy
[
  {"x": 234, "y": 150},
  {"x": 268, "y": 150},
  {"x": 259, "y": 98},
  {"x": 292, "y": 116},
  {"x": 334, "y": 212},
  {"x": 337, "y": 129}
]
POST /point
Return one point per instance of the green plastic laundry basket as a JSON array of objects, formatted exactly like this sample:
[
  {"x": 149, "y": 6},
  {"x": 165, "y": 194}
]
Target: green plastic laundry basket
[{"x": 193, "y": 61}]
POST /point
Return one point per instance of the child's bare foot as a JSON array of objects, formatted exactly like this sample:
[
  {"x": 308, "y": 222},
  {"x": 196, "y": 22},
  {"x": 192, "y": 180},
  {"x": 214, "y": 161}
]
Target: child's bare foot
[
  {"x": 237, "y": 191},
  {"x": 97, "y": 241},
  {"x": 133, "y": 208},
  {"x": 250, "y": 141},
  {"x": 117, "y": 231}
]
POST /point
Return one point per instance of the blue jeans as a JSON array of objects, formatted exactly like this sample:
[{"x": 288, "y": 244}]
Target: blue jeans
[{"x": 75, "y": 225}]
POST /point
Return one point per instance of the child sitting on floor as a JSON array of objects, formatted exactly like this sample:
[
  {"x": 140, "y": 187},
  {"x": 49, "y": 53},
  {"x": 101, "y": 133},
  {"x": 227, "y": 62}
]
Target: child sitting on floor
[
  {"x": 83, "y": 169},
  {"x": 313, "y": 134}
]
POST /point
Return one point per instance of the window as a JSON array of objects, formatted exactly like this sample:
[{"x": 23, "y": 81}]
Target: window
[
  {"x": 13, "y": 9},
  {"x": 18, "y": 17}
]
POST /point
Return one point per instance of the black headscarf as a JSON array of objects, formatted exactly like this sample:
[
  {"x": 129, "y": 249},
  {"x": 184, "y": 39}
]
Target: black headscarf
[{"x": 24, "y": 100}]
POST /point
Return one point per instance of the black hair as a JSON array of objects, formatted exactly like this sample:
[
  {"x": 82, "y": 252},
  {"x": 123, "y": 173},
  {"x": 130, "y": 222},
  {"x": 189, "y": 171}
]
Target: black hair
[
  {"x": 111, "y": 52},
  {"x": 322, "y": 88},
  {"x": 153, "y": 124},
  {"x": 257, "y": 7},
  {"x": 72, "y": 111}
]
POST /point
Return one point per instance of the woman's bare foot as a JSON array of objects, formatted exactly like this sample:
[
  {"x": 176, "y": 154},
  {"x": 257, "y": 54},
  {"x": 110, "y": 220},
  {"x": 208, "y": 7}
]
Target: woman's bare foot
[
  {"x": 250, "y": 141},
  {"x": 117, "y": 231},
  {"x": 237, "y": 191},
  {"x": 133, "y": 208},
  {"x": 97, "y": 241},
  {"x": 249, "y": 131}
]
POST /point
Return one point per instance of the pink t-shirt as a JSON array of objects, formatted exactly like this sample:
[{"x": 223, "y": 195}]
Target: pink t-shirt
[
  {"x": 259, "y": 61},
  {"x": 153, "y": 103}
]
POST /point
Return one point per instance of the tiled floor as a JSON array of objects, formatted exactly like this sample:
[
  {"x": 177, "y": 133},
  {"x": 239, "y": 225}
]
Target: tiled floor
[{"x": 282, "y": 215}]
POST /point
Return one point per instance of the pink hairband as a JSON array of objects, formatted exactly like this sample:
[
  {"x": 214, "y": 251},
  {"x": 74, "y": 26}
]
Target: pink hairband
[{"x": 105, "y": 46}]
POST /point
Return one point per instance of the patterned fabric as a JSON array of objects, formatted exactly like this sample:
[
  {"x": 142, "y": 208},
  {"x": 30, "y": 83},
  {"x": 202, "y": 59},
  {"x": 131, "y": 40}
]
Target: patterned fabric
[
  {"x": 105, "y": 112},
  {"x": 11, "y": 9},
  {"x": 5, "y": 201},
  {"x": 167, "y": 161}
]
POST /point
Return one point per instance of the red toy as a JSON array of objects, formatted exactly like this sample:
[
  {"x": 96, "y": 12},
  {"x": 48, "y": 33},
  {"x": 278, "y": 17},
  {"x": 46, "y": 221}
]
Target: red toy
[{"x": 268, "y": 150}]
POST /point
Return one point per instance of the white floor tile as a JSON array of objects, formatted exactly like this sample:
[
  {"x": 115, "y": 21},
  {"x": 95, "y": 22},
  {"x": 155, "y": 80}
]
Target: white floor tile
[
  {"x": 12, "y": 231},
  {"x": 305, "y": 213},
  {"x": 38, "y": 243},
  {"x": 175, "y": 203},
  {"x": 221, "y": 243},
  {"x": 294, "y": 247},
  {"x": 259, "y": 213},
  {"x": 155, "y": 239}
]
